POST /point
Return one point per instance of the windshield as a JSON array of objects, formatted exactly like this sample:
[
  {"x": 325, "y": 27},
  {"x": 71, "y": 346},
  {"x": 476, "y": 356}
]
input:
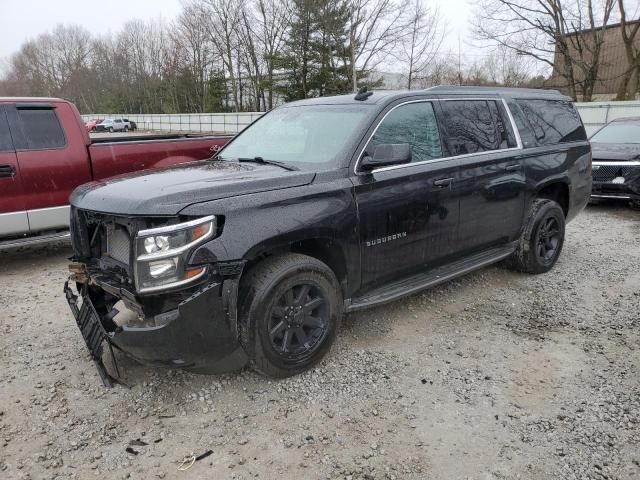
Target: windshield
[
  {"x": 618, "y": 133},
  {"x": 310, "y": 137}
]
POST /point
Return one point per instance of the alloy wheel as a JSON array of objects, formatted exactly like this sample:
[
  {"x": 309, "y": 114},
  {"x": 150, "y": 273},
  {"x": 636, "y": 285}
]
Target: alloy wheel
[
  {"x": 548, "y": 240},
  {"x": 298, "y": 321}
]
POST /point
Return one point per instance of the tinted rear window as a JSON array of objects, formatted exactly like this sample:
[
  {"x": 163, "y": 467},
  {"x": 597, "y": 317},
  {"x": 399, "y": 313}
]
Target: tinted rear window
[
  {"x": 6, "y": 145},
  {"x": 41, "y": 129},
  {"x": 474, "y": 126},
  {"x": 552, "y": 121}
]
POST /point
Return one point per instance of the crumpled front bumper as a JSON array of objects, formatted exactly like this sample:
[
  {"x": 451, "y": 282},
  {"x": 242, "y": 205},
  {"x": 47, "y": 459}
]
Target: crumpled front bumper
[{"x": 198, "y": 336}]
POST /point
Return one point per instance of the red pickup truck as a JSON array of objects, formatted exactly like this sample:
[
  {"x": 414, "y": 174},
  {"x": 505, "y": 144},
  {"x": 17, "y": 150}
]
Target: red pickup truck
[{"x": 45, "y": 152}]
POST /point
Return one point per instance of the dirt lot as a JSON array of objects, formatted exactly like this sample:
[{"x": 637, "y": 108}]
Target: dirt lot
[{"x": 496, "y": 375}]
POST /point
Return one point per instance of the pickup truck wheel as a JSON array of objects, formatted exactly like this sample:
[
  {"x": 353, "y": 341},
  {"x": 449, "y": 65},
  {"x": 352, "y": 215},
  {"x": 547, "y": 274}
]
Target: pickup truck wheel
[
  {"x": 126, "y": 129},
  {"x": 290, "y": 310},
  {"x": 542, "y": 239},
  {"x": 110, "y": 129}
]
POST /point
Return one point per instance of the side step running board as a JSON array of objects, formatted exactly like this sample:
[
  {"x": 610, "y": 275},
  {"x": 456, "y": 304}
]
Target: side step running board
[
  {"x": 28, "y": 241},
  {"x": 431, "y": 278}
]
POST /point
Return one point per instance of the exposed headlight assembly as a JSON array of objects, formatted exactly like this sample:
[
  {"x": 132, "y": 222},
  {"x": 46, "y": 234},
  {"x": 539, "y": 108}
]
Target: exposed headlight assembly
[{"x": 161, "y": 254}]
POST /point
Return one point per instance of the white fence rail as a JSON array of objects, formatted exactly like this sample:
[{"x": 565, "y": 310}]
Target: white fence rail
[
  {"x": 594, "y": 115},
  {"x": 187, "y": 122}
]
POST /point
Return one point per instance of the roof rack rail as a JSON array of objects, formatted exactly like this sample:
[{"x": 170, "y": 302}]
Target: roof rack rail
[{"x": 471, "y": 88}]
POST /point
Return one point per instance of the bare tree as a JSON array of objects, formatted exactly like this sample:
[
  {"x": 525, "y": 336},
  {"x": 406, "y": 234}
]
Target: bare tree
[
  {"x": 225, "y": 17},
  {"x": 423, "y": 40},
  {"x": 271, "y": 25},
  {"x": 507, "y": 68},
  {"x": 631, "y": 78},
  {"x": 572, "y": 31},
  {"x": 375, "y": 28},
  {"x": 192, "y": 36},
  {"x": 55, "y": 63}
]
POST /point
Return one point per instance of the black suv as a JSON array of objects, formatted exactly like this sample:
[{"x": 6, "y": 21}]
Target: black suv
[
  {"x": 321, "y": 207},
  {"x": 616, "y": 161}
]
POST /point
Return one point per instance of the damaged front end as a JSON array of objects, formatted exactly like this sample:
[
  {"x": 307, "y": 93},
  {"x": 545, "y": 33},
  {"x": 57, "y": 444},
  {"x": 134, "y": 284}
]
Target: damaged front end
[{"x": 148, "y": 288}]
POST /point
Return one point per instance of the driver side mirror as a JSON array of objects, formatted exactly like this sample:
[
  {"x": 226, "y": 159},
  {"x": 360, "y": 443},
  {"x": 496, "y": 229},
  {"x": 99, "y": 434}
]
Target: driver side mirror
[{"x": 386, "y": 155}]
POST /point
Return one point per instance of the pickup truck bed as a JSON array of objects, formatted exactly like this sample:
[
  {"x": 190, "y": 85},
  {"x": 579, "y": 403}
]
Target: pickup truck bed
[{"x": 45, "y": 153}]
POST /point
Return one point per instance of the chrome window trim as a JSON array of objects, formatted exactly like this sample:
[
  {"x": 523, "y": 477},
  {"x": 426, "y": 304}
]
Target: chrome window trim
[{"x": 516, "y": 132}]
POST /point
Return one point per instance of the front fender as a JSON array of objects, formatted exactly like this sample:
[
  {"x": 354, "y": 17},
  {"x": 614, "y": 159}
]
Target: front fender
[{"x": 259, "y": 223}]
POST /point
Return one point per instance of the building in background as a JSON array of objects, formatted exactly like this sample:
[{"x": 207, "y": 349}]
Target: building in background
[{"x": 613, "y": 62}]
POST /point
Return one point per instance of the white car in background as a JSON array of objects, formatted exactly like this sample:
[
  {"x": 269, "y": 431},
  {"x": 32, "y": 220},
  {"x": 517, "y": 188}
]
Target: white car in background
[{"x": 113, "y": 125}]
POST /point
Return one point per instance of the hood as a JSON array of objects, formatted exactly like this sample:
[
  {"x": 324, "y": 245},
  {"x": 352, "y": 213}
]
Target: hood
[
  {"x": 619, "y": 152},
  {"x": 168, "y": 190}
]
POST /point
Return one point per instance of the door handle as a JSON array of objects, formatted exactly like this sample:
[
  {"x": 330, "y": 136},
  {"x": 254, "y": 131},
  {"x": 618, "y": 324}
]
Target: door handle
[
  {"x": 513, "y": 168},
  {"x": 7, "y": 171},
  {"x": 443, "y": 182}
]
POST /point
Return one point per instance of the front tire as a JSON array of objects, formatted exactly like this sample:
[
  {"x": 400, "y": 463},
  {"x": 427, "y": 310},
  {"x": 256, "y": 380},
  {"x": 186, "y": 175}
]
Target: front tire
[
  {"x": 542, "y": 239},
  {"x": 110, "y": 129},
  {"x": 290, "y": 310}
]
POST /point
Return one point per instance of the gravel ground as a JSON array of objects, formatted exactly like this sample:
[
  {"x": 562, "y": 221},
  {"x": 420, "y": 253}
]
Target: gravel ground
[{"x": 495, "y": 375}]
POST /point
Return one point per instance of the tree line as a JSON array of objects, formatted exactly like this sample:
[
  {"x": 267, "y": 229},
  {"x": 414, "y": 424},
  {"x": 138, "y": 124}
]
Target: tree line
[
  {"x": 228, "y": 55},
  {"x": 250, "y": 55}
]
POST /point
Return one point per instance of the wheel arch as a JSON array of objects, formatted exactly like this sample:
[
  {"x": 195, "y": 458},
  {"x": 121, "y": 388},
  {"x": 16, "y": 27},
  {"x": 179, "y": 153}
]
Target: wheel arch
[
  {"x": 322, "y": 248},
  {"x": 557, "y": 191}
]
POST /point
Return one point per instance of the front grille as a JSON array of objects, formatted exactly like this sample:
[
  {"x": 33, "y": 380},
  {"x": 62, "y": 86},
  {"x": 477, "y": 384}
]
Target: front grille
[
  {"x": 606, "y": 173},
  {"x": 118, "y": 244}
]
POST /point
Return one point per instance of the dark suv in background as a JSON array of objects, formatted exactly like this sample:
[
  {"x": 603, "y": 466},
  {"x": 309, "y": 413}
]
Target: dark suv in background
[
  {"x": 616, "y": 161},
  {"x": 322, "y": 207}
]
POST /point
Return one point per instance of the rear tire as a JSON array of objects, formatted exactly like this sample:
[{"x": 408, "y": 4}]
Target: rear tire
[
  {"x": 110, "y": 129},
  {"x": 541, "y": 241},
  {"x": 126, "y": 129},
  {"x": 290, "y": 310}
]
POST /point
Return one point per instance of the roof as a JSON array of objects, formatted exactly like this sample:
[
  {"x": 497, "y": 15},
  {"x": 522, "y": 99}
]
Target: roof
[
  {"x": 498, "y": 91},
  {"x": 30, "y": 99},
  {"x": 386, "y": 96},
  {"x": 606, "y": 27}
]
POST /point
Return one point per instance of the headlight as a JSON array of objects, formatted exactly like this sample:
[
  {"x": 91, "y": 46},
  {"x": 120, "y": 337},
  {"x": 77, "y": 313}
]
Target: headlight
[{"x": 161, "y": 254}]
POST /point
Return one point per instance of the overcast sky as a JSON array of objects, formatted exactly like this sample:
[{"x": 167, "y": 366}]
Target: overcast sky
[{"x": 21, "y": 20}]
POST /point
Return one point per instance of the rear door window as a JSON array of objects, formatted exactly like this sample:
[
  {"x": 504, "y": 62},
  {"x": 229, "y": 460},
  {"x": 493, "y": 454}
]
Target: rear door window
[
  {"x": 552, "y": 121},
  {"x": 503, "y": 124},
  {"x": 413, "y": 123},
  {"x": 41, "y": 129},
  {"x": 6, "y": 144},
  {"x": 474, "y": 126}
]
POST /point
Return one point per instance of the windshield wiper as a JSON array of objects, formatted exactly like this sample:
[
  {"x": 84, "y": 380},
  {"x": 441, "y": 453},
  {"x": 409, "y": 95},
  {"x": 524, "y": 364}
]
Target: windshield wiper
[{"x": 261, "y": 160}]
